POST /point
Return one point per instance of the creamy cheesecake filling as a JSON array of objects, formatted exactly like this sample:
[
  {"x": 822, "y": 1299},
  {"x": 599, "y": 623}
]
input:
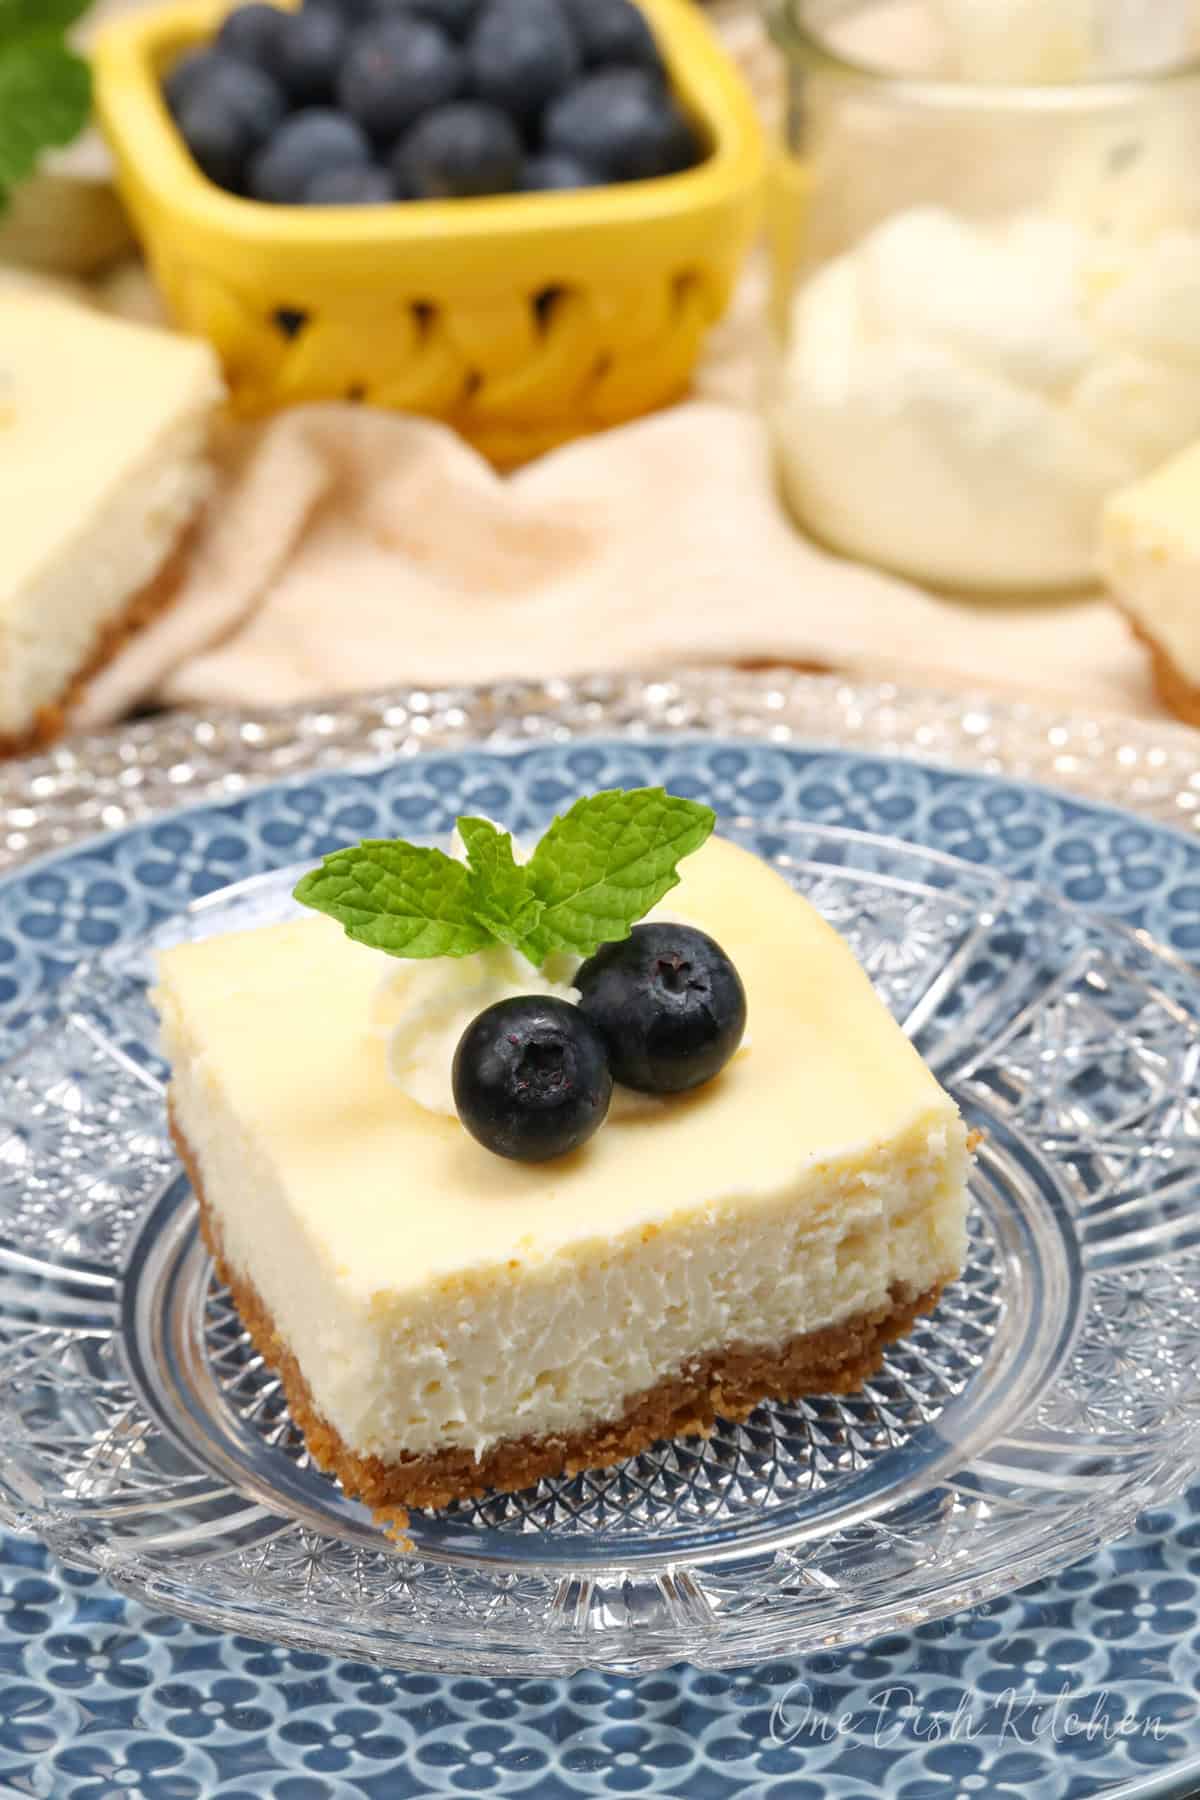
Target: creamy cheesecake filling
[
  {"x": 49, "y": 629},
  {"x": 437, "y": 1296},
  {"x": 534, "y": 1348},
  {"x": 104, "y": 434}
]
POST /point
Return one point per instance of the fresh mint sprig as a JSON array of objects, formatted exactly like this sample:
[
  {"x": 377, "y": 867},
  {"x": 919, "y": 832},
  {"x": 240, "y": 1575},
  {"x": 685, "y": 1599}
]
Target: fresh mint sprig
[
  {"x": 45, "y": 88},
  {"x": 596, "y": 871}
]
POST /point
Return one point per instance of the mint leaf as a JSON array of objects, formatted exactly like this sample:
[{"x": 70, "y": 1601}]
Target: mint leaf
[
  {"x": 398, "y": 897},
  {"x": 606, "y": 862},
  {"x": 22, "y": 18},
  {"x": 502, "y": 894},
  {"x": 45, "y": 97},
  {"x": 592, "y": 877}
]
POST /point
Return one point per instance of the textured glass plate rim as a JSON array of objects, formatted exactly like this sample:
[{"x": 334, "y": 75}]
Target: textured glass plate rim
[
  {"x": 1036, "y": 1561},
  {"x": 99, "y": 781}
]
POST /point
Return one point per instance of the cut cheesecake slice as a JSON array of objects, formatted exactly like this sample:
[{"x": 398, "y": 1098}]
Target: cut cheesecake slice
[
  {"x": 1150, "y": 558},
  {"x": 447, "y": 1321},
  {"x": 104, "y": 430}
]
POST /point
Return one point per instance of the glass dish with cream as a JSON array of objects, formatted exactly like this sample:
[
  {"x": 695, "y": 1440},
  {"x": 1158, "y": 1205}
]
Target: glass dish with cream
[{"x": 987, "y": 307}]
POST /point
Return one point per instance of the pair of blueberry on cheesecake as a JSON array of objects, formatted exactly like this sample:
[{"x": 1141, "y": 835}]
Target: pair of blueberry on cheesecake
[{"x": 661, "y": 1012}]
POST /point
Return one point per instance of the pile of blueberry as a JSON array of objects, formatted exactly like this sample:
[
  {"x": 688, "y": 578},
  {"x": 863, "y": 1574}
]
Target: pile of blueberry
[
  {"x": 661, "y": 1012},
  {"x": 366, "y": 101}
]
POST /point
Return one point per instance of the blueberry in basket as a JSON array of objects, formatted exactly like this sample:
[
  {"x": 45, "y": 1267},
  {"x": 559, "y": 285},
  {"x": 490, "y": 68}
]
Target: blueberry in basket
[
  {"x": 395, "y": 71},
  {"x": 613, "y": 32},
  {"x": 310, "y": 50},
  {"x": 226, "y": 110},
  {"x": 521, "y": 55},
  {"x": 459, "y": 151},
  {"x": 251, "y": 34},
  {"x": 306, "y": 145},
  {"x": 550, "y": 173},
  {"x": 361, "y": 102},
  {"x": 454, "y": 16},
  {"x": 621, "y": 123},
  {"x": 351, "y": 184}
]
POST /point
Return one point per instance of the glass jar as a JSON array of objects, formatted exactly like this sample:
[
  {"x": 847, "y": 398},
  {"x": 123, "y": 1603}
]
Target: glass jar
[{"x": 986, "y": 304}]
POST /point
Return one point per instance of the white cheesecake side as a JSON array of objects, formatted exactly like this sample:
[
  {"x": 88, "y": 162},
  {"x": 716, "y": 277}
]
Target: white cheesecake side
[
  {"x": 104, "y": 432},
  {"x": 436, "y": 1296},
  {"x": 1150, "y": 558}
]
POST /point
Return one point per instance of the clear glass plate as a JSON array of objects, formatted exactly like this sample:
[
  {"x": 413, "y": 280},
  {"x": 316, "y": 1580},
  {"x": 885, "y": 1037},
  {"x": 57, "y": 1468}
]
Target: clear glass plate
[{"x": 1051, "y": 1397}]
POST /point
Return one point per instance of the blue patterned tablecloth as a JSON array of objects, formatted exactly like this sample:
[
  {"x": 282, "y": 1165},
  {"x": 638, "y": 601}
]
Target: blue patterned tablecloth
[{"x": 1068, "y": 1689}]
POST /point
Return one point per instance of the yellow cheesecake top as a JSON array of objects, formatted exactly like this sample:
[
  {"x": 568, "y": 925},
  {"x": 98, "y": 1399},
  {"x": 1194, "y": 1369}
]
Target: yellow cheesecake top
[
  {"x": 84, "y": 400},
  {"x": 279, "y": 1021}
]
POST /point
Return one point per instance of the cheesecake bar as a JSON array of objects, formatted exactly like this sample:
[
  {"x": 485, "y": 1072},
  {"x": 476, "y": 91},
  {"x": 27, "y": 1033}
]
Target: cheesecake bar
[
  {"x": 104, "y": 430},
  {"x": 446, "y": 1320},
  {"x": 1150, "y": 559}
]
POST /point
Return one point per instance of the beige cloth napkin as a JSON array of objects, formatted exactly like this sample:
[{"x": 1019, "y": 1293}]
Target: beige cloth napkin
[{"x": 349, "y": 549}]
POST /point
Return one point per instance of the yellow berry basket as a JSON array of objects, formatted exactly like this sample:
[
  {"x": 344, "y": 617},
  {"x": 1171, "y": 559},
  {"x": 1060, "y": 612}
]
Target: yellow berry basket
[{"x": 522, "y": 320}]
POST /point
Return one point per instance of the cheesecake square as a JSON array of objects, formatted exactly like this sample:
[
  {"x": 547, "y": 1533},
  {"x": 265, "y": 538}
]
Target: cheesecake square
[
  {"x": 104, "y": 434},
  {"x": 1150, "y": 558},
  {"x": 446, "y": 1321}
]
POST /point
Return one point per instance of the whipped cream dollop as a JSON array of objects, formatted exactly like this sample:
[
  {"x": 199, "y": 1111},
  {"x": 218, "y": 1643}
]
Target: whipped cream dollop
[
  {"x": 423, "y": 1008},
  {"x": 959, "y": 400}
]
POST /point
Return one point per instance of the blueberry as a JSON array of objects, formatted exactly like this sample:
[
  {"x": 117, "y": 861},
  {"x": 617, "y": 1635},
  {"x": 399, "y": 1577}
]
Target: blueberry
[
  {"x": 352, "y": 11},
  {"x": 622, "y": 123},
  {"x": 397, "y": 69},
  {"x": 553, "y": 171},
  {"x": 217, "y": 142},
  {"x": 351, "y": 184},
  {"x": 230, "y": 85},
  {"x": 187, "y": 73},
  {"x": 530, "y": 1078},
  {"x": 229, "y": 109},
  {"x": 305, "y": 146},
  {"x": 454, "y": 16},
  {"x": 463, "y": 149},
  {"x": 251, "y": 33},
  {"x": 613, "y": 31},
  {"x": 309, "y": 54},
  {"x": 521, "y": 54},
  {"x": 669, "y": 1005}
]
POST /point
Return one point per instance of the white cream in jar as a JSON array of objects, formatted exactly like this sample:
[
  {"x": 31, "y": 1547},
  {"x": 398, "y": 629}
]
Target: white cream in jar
[{"x": 958, "y": 400}]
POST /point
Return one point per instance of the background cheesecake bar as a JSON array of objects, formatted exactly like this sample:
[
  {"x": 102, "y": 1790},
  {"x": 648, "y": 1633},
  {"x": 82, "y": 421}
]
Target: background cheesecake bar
[
  {"x": 1150, "y": 557},
  {"x": 446, "y": 1320},
  {"x": 104, "y": 432}
]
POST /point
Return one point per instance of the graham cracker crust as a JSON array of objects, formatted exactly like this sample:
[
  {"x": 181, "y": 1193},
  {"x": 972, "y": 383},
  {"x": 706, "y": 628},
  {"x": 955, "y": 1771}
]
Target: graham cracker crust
[
  {"x": 1174, "y": 689},
  {"x": 145, "y": 605},
  {"x": 728, "y": 1384}
]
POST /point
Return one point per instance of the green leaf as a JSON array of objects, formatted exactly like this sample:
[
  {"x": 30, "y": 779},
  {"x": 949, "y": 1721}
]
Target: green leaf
[
  {"x": 605, "y": 863},
  {"x": 594, "y": 874},
  {"x": 502, "y": 893},
  {"x": 398, "y": 897},
  {"x": 24, "y": 18},
  {"x": 45, "y": 97}
]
